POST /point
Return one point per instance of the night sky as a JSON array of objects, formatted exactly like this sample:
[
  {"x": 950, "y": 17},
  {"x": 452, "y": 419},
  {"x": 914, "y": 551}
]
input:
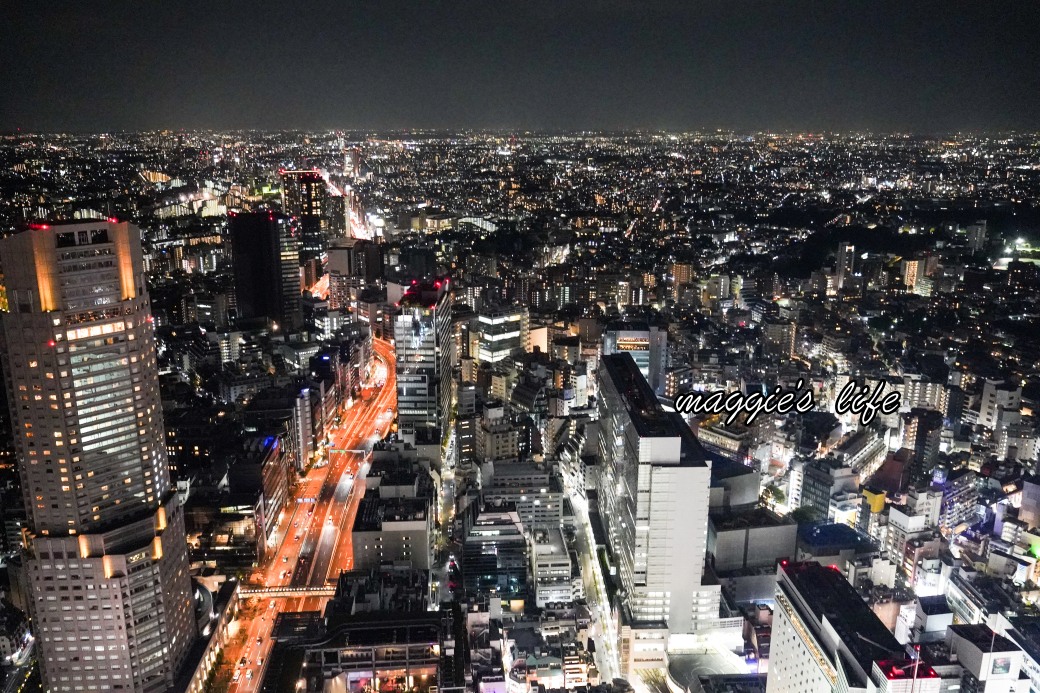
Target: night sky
[{"x": 801, "y": 65}]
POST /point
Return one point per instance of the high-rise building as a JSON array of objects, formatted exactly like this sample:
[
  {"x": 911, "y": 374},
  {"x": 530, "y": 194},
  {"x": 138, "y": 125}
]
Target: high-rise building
[
  {"x": 425, "y": 354},
  {"x": 922, "y": 429},
  {"x": 105, "y": 551},
  {"x": 501, "y": 332},
  {"x": 265, "y": 249},
  {"x": 778, "y": 337},
  {"x": 654, "y": 498},
  {"x": 647, "y": 344},
  {"x": 999, "y": 400},
  {"x": 352, "y": 264},
  {"x": 826, "y": 638},
  {"x": 306, "y": 197},
  {"x": 846, "y": 264},
  {"x": 977, "y": 236}
]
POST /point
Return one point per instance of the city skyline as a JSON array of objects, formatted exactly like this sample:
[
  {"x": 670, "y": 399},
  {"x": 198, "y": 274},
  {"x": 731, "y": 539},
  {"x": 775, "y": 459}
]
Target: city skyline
[{"x": 502, "y": 412}]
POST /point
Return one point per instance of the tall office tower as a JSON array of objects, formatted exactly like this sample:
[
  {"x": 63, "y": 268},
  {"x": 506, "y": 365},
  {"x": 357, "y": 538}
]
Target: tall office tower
[
  {"x": 826, "y": 638},
  {"x": 922, "y": 429},
  {"x": 501, "y": 332},
  {"x": 106, "y": 556},
  {"x": 306, "y": 197},
  {"x": 846, "y": 264},
  {"x": 265, "y": 249},
  {"x": 466, "y": 424},
  {"x": 647, "y": 344},
  {"x": 654, "y": 493},
  {"x": 423, "y": 339}
]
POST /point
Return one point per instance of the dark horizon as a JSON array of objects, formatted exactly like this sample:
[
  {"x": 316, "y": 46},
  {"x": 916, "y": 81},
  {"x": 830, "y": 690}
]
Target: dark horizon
[
  {"x": 798, "y": 66},
  {"x": 522, "y": 132}
]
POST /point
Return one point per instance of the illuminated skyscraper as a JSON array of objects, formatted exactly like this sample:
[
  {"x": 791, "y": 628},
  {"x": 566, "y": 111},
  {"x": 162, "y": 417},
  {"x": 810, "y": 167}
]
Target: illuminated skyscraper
[
  {"x": 423, "y": 339},
  {"x": 106, "y": 557},
  {"x": 846, "y": 264},
  {"x": 654, "y": 488},
  {"x": 305, "y": 196}
]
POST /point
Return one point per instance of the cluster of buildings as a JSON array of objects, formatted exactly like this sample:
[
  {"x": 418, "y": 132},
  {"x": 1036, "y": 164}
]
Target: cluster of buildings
[{"x": 540, "y": 516}]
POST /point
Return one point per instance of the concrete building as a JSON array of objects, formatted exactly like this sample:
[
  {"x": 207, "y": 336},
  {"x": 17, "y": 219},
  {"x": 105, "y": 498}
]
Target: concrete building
[
  {"x": 654, "y": 495},
  {"x": 989, "y": 662},
  {"x": 494, "y": 553},
  {"x": 497, "y": 439},
  {"x": 106, "y": 556},
  {"x": 305, "y": 196},
  {"x": 822, "y": 481},
  {"x": 778, "y": 337},
  {"x": 396, "y": 530},
  {"x": 265, "y": 250},
  {"x": 998, "y": 397},
  {"x": 425, "y": 355},
  {"x": 534, "y": 491},
  {"x": 845, "y": 266},
  {"x": 501, "y": 332},
  {"x": 922, "y": 429},
  {"x": 646, "y": 344},
  {"x": 825, "y": 638},
  {"x": 552, "y": 568}
]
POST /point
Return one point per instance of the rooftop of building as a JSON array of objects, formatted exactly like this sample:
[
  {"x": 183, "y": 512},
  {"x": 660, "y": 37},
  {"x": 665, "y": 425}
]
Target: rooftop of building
[
  {"x": 723, "y": 467},
  {"x": 755, "y": 517},
  {"x": 935, "y": 605},
  {"x": 983, "y": 637},
  {"x": 395, "y": 472},
  {"x": 425, "y": 293},
  {"x": 903, "y": 669},
  {"x": 374, "y": 511},
  {"x": 1025, "y": 631},
  {"x": 646, "y": 412},
  {"x": 378, "y": 591},
  {"x": 628, "y": 326},
  {"x": 834, "y": 536},
  {"x": 829, "y": 595}
]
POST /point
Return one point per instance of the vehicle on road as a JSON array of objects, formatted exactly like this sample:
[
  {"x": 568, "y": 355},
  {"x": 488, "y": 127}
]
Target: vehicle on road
[{"x": 285, "y": 559}]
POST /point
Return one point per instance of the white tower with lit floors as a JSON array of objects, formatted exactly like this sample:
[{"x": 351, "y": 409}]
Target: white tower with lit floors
[{"x": 105, "y": 552}]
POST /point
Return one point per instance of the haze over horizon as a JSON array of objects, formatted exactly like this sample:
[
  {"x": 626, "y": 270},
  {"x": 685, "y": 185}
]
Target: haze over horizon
[{"x": 929, "y": 67}]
